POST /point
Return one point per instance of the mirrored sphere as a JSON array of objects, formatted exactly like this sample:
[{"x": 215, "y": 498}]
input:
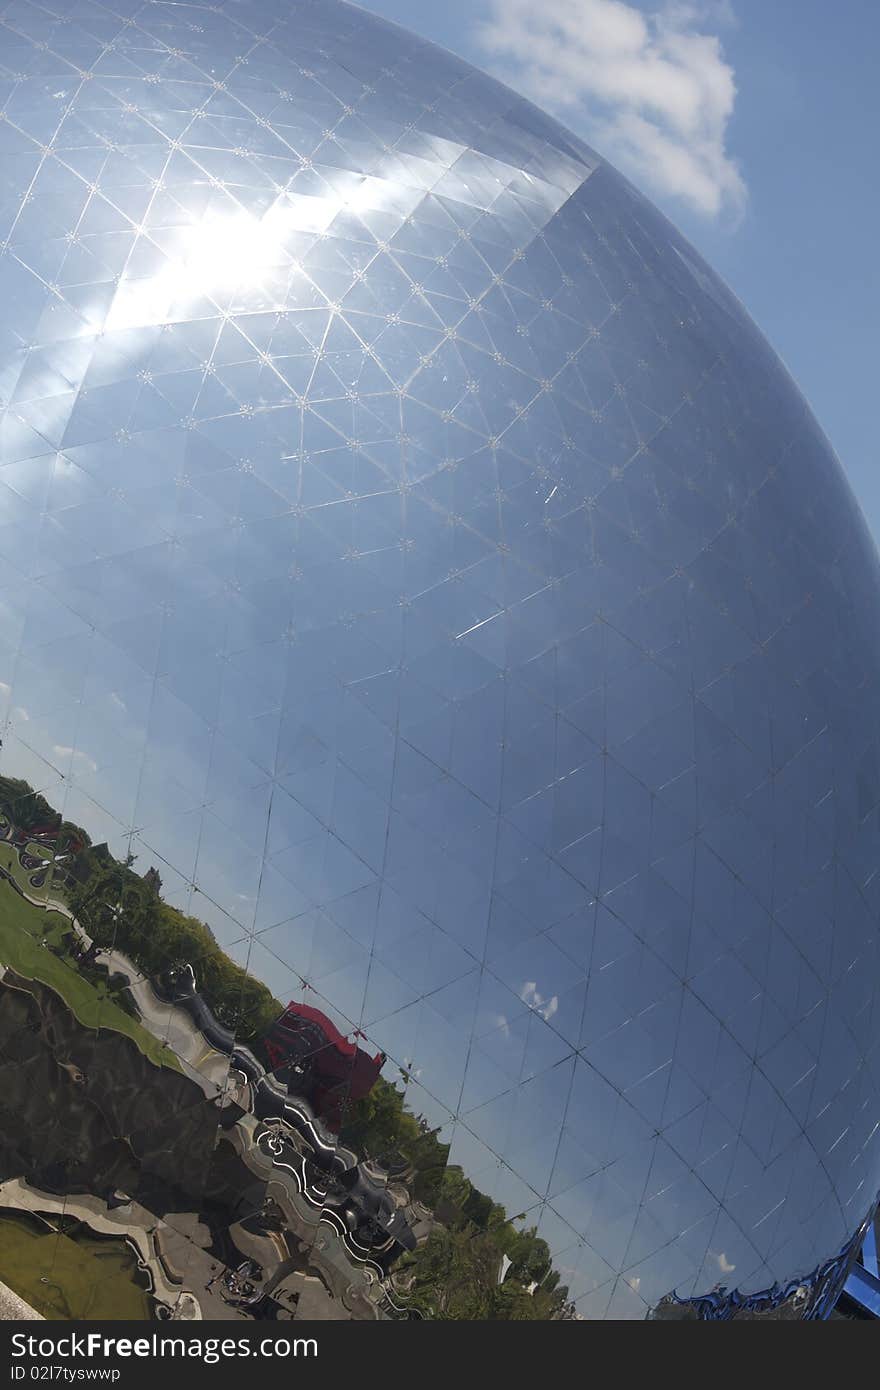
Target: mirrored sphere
[{"x": 440, "y": 796}]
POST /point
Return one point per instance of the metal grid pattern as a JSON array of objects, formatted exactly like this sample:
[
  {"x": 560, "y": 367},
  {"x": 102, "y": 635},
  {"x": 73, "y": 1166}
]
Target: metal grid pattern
[{"x": 410, "y": 548}]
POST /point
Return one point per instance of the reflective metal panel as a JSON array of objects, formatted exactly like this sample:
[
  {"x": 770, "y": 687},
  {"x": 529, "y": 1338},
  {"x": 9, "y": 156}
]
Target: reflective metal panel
[{"x": 440, "y": 776}]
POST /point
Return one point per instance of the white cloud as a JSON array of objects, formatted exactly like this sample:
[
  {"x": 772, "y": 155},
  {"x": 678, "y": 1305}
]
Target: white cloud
[
  {"x": 545, "y": 1007},
  {"x": 75, "y": 754},
  {"x": 652, "y": 90},
  {"x": 18, "y": 713}
]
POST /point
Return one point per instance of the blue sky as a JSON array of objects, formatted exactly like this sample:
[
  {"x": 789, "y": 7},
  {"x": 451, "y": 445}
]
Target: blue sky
[{"x": 753, "y": 124}]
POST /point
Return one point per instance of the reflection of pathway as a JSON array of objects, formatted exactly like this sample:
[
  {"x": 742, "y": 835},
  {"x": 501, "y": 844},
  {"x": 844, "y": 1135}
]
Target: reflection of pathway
[
  {"x": 14, "y": 1309},
  {"x": 170, "y": 1024},
  {"x": 49, "y": 904},
  {"x": 173, "y": 1026},
  {"x": 355, "y": 1287},
  {"x": 35, "y": 866}
]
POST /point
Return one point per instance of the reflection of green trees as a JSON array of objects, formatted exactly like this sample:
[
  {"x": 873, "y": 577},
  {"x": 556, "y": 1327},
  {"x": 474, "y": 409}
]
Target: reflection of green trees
[
  {"x": 28, "y": 810},
  {"x": 455, "y": 1276},
  {"x": 455, "y": 1273},
  {"x": 379, "y": 1127},
  {"x": 119, "y": 909}
]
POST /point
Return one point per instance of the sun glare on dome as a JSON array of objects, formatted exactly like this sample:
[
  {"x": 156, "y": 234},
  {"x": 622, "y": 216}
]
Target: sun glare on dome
[
  {"x": 212, "y": 259},
  {"x": 230, "y": 252}
]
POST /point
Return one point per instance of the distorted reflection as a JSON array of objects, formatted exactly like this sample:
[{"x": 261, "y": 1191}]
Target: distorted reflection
[{"x": 440, "y": 770}]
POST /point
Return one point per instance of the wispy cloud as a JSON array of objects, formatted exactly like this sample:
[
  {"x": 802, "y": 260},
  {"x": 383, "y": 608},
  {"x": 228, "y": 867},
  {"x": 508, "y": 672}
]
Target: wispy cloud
[
  {"x": 545, "y": 1007},
  {"x": 75, "y": 755},
  {"x": 652, "y": 90},
  {"x": 18, "y": 713}
]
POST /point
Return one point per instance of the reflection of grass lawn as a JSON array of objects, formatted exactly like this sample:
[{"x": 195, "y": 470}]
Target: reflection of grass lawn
[
  {"x": 22, "y": 928},
  {"x": 85, "y": 1277}
]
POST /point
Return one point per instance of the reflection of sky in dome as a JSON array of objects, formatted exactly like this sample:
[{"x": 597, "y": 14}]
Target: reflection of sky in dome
[{"x": 410, "y": 550}]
